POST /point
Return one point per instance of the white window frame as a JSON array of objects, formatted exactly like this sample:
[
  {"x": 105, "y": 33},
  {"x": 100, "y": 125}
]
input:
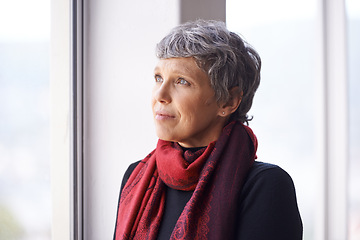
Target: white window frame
[
  {"x": 66, "y": 119},
  {"x": 336, "y": 117},
  {"x": 60, "y": 112}
]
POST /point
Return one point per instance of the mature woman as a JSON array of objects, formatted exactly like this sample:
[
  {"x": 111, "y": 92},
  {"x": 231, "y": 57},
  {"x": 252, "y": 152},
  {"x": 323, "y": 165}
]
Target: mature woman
[{"x": 202, "y": 180}]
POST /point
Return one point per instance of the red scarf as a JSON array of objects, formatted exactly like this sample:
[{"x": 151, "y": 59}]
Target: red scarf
[{"x": 216, "y": 176}]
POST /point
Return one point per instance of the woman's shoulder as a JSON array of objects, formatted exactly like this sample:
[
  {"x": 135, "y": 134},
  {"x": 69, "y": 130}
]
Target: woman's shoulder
[
  {"x": 268, "y": 203},
  {"x": 263, "y": 166},
  {"x": 267, "y": 181},
  {"x": 261, "y": 171},
  {"x": 131, "y": 167},
  {"x": 128, "y": 172}
]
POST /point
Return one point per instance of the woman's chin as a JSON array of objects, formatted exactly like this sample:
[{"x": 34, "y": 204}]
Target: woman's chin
[{"x": 164, "y": 136}]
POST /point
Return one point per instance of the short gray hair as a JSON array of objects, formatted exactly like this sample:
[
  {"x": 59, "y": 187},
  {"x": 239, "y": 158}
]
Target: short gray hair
[{"x": 227, "y": 59}]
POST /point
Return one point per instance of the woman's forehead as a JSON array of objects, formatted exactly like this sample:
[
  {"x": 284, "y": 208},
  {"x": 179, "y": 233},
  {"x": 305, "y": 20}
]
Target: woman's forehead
[{"x": 177, "y": 64}]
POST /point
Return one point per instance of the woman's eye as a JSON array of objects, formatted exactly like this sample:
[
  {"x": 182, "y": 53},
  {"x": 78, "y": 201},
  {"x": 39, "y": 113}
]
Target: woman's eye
[
  {"x": 158, "y": 78},
  {"x": 183, "y": 81}
]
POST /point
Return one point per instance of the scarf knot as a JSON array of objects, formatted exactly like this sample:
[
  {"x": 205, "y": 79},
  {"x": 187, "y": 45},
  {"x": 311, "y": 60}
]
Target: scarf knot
[
  {"x": 216, "y": 175},
  {"x": 178, "y": 170}
]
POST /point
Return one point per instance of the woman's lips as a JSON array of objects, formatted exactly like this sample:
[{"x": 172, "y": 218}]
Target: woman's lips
[{"x": 162, "y": 115}]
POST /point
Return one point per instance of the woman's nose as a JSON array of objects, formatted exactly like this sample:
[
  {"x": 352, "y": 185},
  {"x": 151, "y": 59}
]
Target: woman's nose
[{"x": 163, "y": 93}]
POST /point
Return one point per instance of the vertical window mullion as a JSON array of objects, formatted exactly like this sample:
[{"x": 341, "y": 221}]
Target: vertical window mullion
[
  {"x": 336, "y": 118},
  {"x": 76, "y": 164}
]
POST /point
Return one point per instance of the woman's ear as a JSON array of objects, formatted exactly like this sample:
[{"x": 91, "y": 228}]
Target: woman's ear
[{"x": 233, "y": 103}]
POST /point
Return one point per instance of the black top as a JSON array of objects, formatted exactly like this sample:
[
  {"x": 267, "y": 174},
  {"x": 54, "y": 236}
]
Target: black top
[{"x": 267, "y": 206}]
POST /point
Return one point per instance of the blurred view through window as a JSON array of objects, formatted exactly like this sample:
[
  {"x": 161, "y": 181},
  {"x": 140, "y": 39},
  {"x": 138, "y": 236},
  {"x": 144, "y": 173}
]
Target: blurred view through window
[
  {"x": 353, "y": 21},
  {"x": 286, "y": 108},
  {"x": 25, "y": 199}
]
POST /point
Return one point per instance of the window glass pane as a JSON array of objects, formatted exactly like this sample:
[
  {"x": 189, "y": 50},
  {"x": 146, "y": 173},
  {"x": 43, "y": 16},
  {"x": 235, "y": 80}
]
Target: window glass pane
[
  {"x": 353, "y": 10},
  {"x": 25, "y": 200},
  {"x": 286, "y": 106}
]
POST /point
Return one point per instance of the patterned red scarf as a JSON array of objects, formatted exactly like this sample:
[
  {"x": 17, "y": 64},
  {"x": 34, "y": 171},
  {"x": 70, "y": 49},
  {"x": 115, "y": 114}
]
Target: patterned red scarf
[{"x": 216, "y": 176}]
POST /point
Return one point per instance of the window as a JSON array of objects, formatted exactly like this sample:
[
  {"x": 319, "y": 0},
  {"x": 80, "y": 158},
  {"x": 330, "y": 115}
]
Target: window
[
  {"x": 25, "y": 194},
  {"x": 285, "y": 108},
  {"x": 301, "y": 107},
  {"x": 353, "y": 38}
]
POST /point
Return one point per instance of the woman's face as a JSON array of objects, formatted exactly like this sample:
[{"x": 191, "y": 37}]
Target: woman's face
[{"x": 184, "y": 105}]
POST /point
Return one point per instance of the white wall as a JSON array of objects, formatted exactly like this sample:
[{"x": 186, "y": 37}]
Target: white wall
[{"x": 119, "y": 59}]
